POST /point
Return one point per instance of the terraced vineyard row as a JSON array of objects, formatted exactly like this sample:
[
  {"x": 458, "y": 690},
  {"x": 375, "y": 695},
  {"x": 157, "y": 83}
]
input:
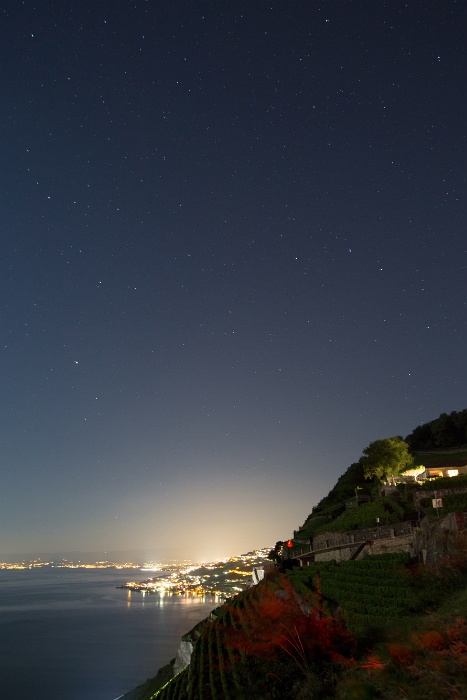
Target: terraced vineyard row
[
  {"x": 262, "y": 643},
  {"x": 375, "y": 587},
  {"x": 257, "y": 641},
  {"x": 218, "y": 669},
  {"x": 175, "y": 689}
]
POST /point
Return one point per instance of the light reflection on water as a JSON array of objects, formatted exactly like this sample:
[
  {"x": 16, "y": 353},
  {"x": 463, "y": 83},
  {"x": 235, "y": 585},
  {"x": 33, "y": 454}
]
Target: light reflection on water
[
  {"x": 74, "y": 635},
  {"x": 160, "y": 599}
]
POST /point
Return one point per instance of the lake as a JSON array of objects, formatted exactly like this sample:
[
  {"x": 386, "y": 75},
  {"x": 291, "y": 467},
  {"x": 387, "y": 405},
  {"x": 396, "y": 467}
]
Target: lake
[{"x": 70, "y": 634}]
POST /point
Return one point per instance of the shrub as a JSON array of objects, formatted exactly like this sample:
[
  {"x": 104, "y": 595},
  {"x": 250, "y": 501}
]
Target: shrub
[
  {"x": 431, "y": 640},
  {"x": 387, "y": 510},
  {"x": 401, "y": 654}
]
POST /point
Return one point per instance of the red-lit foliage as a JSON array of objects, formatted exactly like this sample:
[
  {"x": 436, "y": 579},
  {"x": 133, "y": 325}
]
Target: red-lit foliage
[
  {"x": 431, "y": 640},
  {"x": 401, "y": 654},
  {"x": 373, "y": 663},
  {"x": 458, "y": 640},
  {"x": 429, "y": 663},
  {"x": 276, "y": 621}
]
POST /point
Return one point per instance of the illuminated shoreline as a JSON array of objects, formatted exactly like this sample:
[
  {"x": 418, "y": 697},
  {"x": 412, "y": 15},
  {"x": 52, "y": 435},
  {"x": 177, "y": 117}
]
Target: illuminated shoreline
[
  {"x": 221, "y": 578},
  {"x": 65, "y": 564}
]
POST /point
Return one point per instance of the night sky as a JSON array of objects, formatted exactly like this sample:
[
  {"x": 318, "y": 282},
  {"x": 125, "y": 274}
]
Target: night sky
[{"x": 233, "y": 254}]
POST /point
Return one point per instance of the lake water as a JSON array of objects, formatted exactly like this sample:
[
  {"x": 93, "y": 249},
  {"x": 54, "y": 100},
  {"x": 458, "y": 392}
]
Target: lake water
[{"x": 70, "y": 634}]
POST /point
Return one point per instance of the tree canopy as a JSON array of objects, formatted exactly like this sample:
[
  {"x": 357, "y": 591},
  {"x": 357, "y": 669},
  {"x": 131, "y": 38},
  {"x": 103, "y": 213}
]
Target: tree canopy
[
  {"x": 447, "y": 431},
  {"x": 386, "y": 458}
]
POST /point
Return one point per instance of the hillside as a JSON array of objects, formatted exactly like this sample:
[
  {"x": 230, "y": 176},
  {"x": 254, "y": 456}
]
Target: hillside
[
  {"x": 374, "y": 628},
  {"x": 390, "y": 625},
  {"x": 348, "y": 629}
]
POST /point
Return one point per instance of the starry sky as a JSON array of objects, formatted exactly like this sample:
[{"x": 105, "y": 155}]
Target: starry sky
[{"x": 233, "y": 254}]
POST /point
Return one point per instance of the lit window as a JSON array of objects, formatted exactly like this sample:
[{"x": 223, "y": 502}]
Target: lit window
[{"x": 453, "y": 472}]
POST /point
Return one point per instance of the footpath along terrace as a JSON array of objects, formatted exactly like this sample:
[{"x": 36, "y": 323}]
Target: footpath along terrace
[{"x": 347, "y": 545}]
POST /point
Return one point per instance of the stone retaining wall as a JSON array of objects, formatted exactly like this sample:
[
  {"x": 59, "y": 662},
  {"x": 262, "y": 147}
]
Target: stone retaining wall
[
  {"x": 440, "y": 493},
  {"x": 333, "y": 539},
  {"x": 404, "y": 543},
  {"x": 438, "y": 542},
  {"x": 441, "y": 542}
]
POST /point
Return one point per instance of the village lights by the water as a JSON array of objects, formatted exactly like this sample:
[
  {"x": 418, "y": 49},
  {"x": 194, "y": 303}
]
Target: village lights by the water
[
  {"x": 220, "y": 578},
  {"x": 66, "y": 564}
]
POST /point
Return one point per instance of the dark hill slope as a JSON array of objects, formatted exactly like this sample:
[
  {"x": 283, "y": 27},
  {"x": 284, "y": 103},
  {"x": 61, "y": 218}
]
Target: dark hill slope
[
  {"x": 382, "y": 627},
  {"x": 348, "y": 630}
]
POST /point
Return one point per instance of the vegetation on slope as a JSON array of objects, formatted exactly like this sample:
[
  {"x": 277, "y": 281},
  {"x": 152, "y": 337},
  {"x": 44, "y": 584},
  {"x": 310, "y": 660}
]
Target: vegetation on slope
[
  {"x": 363, "y": 629},
  {"x": 381, "y": 627},
  {"x": 386, "y": 509},
  {"x": 344, "y": 489},
  {"x": 374, "y": 589},
  {"x": 386, "y": 459},
  {"x": 262, "y": 645}
]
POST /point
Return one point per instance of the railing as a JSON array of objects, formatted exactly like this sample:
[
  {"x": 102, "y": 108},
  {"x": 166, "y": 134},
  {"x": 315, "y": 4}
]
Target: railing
[{"x": 355, "y": 538}]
